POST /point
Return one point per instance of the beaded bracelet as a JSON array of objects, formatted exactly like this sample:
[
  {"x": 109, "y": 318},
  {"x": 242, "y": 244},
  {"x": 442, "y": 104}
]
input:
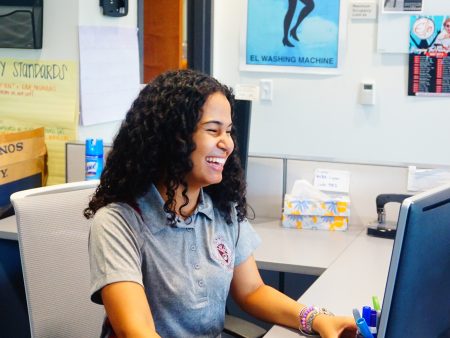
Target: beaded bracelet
[
  {"x": 311, "y": 317},
  {"x": 314, "y": 314},
  {"x": 306, "y": 334},
  {"x": 307, "y": 315},
  {"x": 303, "y": 315}
]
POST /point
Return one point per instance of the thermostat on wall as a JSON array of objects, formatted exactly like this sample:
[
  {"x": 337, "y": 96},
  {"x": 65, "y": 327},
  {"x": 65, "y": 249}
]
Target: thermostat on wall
[{"x": 367, "y": 93}]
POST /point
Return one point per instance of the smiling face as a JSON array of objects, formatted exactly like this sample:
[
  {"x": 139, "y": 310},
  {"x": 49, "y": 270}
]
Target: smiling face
[
  {"x": 447, "y": 25},
  {"x": 213, "y": 141}
]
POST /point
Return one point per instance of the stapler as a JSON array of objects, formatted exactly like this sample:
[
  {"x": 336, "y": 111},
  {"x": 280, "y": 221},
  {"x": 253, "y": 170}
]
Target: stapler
[{"x": 382, "y": 228}]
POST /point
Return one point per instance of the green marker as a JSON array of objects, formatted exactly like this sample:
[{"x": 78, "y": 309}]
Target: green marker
[{"x": 376, "y": 303}]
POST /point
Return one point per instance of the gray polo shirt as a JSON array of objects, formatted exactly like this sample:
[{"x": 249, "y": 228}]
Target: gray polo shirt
[{"x": 186, "y": 270}]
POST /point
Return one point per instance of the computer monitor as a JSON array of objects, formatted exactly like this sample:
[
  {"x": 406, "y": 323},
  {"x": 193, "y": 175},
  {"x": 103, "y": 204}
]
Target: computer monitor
[
  {"x": 416, "y": 302},
  {"x": 241, "y": 122}
]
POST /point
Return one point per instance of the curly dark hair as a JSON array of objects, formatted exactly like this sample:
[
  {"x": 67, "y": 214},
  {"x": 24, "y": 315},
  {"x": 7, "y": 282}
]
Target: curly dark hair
[{"x": 154, "y": 144}]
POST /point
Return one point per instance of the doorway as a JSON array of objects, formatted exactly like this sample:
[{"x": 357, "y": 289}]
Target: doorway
[{"x": 174, "y": 34}]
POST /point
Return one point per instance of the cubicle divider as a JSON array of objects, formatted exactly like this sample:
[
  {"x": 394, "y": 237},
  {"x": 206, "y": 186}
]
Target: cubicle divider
[
  {"x": 75, "y": 160},
  {"x": 366, "y": 182},
  {"x": 270, "y": 177},
  {"x": 265, "y": 186}
]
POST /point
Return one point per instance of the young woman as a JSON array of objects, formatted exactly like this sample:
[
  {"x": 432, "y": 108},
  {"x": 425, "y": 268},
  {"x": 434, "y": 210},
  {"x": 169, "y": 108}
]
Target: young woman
[{"x": 170, "y": 237}]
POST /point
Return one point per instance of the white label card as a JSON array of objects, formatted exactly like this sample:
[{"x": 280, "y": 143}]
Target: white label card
[
  {"x": 332, "y": 180},
  {"x": 364, "y": 10},
  {"x": 246, "y": 92}
]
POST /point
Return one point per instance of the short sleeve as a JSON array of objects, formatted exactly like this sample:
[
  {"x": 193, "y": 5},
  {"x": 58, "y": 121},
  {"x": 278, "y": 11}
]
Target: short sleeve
[
  {"x": 248, "y": 241},
  {"x": 114, "y": 252}
]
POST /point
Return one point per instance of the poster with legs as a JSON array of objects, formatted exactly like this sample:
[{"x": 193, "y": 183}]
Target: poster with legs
[{"x": 293, "y": 36}]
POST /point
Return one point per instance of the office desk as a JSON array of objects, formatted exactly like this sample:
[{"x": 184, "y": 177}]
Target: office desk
[
  {"x": 8, "y": 228},
  {"x": 300, "y": 251},
  {"x": 357, "y": 274}
]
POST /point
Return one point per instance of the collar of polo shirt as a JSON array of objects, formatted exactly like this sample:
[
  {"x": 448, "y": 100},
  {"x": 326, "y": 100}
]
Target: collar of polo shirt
[{"x": 157, "y": 217}]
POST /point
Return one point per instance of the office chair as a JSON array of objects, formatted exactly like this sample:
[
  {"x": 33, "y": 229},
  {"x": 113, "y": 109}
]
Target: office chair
[{"x": 53, "y": 242}]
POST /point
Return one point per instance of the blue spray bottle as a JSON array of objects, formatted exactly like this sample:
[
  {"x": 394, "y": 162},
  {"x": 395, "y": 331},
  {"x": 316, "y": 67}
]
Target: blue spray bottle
[{"x": 94, "y": 158}]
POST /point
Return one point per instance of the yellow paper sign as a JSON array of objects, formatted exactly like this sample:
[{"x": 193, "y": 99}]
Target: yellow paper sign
[{"x": 39, "y": 91}]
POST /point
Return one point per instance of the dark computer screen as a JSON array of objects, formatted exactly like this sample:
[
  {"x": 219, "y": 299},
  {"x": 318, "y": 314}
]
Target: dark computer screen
[
  {"x": 241, "y": 122},
  {"x": 416, "y": 302}
]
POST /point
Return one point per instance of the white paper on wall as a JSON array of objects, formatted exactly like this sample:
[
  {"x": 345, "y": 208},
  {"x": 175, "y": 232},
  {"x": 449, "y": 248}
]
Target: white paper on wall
[{"x": 109, "y": 72}]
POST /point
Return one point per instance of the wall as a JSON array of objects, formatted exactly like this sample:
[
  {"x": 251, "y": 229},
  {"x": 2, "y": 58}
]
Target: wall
[
  {"x": 319, "y": 116},
  {"x": 60, "y": 41},
  {"x": 310, "y": 115}
]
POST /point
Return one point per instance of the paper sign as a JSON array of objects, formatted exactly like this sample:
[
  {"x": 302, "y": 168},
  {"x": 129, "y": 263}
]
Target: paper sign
[
  {"x": 424, "y": 179},
  {"x": 109, "y": 72},
  {"x": 364, "y": 10},
  {"x": 332, "y": 180},
  {"x": 39, "y": 91},
  {"x": 246, "y": 92}
]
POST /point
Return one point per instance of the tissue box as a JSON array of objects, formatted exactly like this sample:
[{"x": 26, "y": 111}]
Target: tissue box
[{"x": 331, "y": 214}]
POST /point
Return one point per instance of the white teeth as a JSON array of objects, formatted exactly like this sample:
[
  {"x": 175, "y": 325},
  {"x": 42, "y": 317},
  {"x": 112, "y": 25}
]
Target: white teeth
[{"x": 218, "y": 160}]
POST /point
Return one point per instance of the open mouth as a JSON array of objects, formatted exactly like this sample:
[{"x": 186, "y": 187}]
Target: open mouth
[{"x": 216, "y": 162}]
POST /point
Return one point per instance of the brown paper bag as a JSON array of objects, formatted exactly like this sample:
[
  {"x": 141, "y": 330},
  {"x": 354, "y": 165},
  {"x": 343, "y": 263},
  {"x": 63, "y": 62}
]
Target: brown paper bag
[{"x": 23, "y": 165}]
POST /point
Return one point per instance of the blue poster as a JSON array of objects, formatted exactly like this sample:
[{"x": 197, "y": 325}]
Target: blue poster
[{"x": 298, "y": 33}]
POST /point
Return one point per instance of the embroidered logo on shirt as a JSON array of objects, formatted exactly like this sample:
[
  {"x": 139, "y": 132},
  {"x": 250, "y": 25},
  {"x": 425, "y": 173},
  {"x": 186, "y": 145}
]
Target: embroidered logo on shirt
[{"x": 222, "y": 252}]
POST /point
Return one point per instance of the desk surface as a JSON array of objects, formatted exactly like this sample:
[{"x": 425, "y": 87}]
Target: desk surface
[
  {"x": 300, "y": 251},
  {"x": 350, "y": 282},
  {"x": 8, "y": 228}
]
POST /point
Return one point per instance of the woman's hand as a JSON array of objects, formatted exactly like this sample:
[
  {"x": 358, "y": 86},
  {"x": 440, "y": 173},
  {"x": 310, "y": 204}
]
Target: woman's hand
[{"x": 334, "y": 326}]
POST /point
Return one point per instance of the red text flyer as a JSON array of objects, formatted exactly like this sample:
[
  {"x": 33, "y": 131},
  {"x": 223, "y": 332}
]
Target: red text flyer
[{"x": 429, "y": 56}]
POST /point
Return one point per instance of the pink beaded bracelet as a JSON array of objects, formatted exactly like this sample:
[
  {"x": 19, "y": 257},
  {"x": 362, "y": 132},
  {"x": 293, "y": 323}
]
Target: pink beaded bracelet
[
  {"x": 303, "y": 316},
  {"x": 307, "y": 315}
]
